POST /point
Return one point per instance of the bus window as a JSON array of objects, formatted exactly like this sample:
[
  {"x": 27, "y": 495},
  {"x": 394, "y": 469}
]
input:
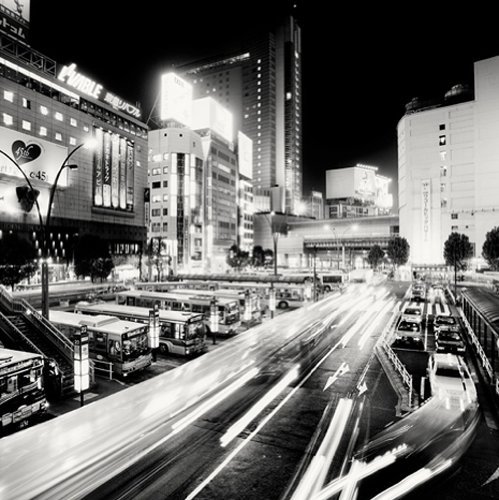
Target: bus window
[
  {"x": 97, "y": 341},
  {"x": 115, "y": 349},
  {"x": 179, "y": 332}
]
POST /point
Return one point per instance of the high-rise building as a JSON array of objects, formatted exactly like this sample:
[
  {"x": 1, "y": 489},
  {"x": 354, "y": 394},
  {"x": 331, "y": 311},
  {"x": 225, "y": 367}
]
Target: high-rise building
[
  {"x": 447, "y": 166},
  {"x": 261, "y": 86},
  {"x": 48, "y": 112},
  {"x": 200, "y": 180}
]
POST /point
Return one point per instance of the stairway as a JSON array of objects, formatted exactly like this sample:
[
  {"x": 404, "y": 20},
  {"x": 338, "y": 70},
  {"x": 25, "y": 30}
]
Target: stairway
[
  {"x": 24, "y": 328},
  {"x": 48, "y": 349}
]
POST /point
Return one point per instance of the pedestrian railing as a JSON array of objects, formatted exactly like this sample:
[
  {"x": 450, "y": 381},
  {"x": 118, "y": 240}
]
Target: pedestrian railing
[
  {"x": 103, "y": 369},
  {"x": 8, "y": 327},
  {"x": 401, "y": 369}
]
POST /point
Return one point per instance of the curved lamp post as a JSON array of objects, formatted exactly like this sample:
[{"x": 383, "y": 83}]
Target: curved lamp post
[{"x": 45, "y": 227}]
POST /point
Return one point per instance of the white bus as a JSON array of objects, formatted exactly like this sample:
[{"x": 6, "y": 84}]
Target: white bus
[
  {"x": 122, "y": 343},
  {"x": 228, "y": 309},
  {"x": 22, "y": 397},
  {"x": 182, "y": 333}
]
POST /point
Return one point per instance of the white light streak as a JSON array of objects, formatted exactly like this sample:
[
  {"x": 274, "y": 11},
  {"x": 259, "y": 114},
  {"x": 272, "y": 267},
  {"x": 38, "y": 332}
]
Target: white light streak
[
  {"x": 236, "y": 428},
  {"x": 213, "y": 401}
]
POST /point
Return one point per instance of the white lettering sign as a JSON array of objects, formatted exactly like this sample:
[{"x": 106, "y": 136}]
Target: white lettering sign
[
  {"x": 69, "y": 75},
  {"x": 426, "y": 208}
]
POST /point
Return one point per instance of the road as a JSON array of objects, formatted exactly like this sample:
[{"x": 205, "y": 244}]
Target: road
[{"x": 269, "y": 448}]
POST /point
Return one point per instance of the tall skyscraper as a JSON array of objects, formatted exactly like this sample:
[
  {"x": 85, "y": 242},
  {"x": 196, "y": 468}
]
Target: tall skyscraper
[{"x": 261, "y": 86}]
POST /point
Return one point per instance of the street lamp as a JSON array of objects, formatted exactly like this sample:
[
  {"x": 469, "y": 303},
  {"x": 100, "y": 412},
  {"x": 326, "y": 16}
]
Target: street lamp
[
  {"x": 352, "y": 227},
  {"x": 45, "y": 227}
]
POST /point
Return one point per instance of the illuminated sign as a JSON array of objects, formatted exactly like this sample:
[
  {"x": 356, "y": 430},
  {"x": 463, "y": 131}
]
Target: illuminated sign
[
  {"x": 176, "y": 99},
  {"x": 113, "y": 171},
  {"x": 209, "y": 114},
  {"x": 40, "y": 160},
  {"x": 426, "y": 208},
  {"x": 85, "y": 85},
  {"x": 14, "y": 18},
  {"x": 245, "y": 155}
]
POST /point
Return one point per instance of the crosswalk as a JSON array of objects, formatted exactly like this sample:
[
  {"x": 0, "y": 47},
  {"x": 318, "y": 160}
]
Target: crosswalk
[{"x": 434, "y": 309}]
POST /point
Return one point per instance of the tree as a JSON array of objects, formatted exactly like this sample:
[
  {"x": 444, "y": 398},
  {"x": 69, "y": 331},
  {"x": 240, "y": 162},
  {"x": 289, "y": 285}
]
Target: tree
[
  {"x": 268, "y": 257},
  {"x": 457, "y": 249},
  {"x": 17, "y": 257},
  {"x": 92, "y": 257},
  {"x": 258, "y": 256},
  {"x": 398, "y": 251},
  {"x": 490, "y": 249},
  {"x": 376, "y": 255},
  {"x": 237, "y": 258}
]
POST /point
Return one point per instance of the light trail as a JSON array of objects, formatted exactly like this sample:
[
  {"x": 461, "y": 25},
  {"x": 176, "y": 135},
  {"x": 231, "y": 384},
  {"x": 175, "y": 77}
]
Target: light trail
[
  {"x": 236, "y": 428},
  {"x": 412, "y": 481},
  {"x": 213, "y": 401},
  {"x": 370, "y": 329},
  {"x": 260, "y": 426}
]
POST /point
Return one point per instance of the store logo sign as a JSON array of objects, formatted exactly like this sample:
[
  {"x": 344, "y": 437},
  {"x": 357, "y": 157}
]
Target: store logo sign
[{"x": 24, "y": 153}]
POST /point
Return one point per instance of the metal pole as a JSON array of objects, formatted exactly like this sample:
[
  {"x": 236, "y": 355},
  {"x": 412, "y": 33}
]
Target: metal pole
[
  {"x": 315, "y": 274},
  {"x": 82, "y": 398}
]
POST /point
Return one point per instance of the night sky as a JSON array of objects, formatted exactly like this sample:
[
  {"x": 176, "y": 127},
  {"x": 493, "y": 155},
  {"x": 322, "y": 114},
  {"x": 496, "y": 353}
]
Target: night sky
[{"x": 360, "y": 66}]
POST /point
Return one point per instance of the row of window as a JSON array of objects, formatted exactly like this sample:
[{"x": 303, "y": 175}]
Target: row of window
[
  {"x": 42, "y": 131},
  {"x": 157, "y": 184},
  {"x": 78, "y": 103},
  {"x": 156, "y": 212},
  {"x": 157, "y": 227}
]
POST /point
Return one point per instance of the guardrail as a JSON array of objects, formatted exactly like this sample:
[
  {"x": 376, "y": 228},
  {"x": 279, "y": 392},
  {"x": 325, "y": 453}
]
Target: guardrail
[
  {"x": 104, "y": 369},
  {"x": 401, "y": 369}
]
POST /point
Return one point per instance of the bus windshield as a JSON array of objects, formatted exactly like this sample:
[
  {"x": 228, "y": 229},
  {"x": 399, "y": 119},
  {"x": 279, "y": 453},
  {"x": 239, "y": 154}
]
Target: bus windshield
[
  {"x": 195, "y": 330},
  {"x": 134, "y": 347}
]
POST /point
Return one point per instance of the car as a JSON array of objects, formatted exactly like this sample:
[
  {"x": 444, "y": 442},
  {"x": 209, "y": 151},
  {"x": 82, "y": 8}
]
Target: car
[
  {"x": 412, "y": 314},
  {"x": 450, "y": 380},
  {"x": 418, "y": 293},
  {"x": 449, "y": 341},
  {"x": 409, "y": 332},
  {"x": 445, "y": 321}
]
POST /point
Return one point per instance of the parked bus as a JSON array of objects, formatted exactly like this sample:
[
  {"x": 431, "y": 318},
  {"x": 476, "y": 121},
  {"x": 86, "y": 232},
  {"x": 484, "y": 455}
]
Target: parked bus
[
  {"x": 122, "y": 343},
  {"x": 228, "y": 309},
  {"x": 22, "y": 397},
  {"x": 182, "y": 333}
]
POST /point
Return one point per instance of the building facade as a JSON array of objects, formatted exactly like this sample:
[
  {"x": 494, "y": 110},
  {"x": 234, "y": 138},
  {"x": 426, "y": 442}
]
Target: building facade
[
  {"x": 261, "y": 86},
  {"x": 447, "y": 166},
  {"x": 47, "y": 112},
  {"x": 357, "y": 191}
]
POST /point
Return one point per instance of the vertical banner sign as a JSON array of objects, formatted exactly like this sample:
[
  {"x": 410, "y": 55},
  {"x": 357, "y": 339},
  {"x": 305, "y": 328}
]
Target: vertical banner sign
[
  {"x": 115, "y": 171},
  {"x": 426, "y": 208},
  {"x": 122, "y": 176},
  {"x": 129, "y": 176},
  {"x": 106, "y": 189},
  {"x": 98, "y": 174},
  {"x": 147, "y": 199},
  {"x": 81, "y": 363}
]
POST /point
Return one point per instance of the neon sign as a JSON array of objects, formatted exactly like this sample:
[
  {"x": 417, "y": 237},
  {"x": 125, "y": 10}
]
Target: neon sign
[{"x": 82, "y": 83}]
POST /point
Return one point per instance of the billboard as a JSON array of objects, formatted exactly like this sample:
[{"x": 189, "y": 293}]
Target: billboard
[
  {"x": 209, "y": 114},
  {"x": 40, "y": 160},
  {"x": 176, "y": 99},
  {"x": 245, "y": 155},
  {"x": 365, "y": 183},
  {"x": 14, "y": 18},
  {"x": 113, "y": 171}
]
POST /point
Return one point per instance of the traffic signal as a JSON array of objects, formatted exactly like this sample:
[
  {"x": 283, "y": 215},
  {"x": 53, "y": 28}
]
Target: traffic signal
[{"x": 26, "y": 197}]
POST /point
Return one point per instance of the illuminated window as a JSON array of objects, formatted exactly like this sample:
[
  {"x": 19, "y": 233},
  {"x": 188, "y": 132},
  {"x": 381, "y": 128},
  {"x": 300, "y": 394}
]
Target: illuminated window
[
  {"x": 44, "y": 111},
  {"x": 58, "y": 136},
  {"x": 156, "y": 198},
  {"x": 8, "y": 95},
  {"x": 85, "y": 128},
  {"x": 72, "y": 141},
  {"x": 7, "y": 119},
  {"x": 26, "y": 125},
  {"x": 26, "y": 103},
  {"x": 165, "y": 197},
  {"x": 156, "y": 171},
  {"x": 73, "y": 122},
  {"x": 442, "y": 140},
  {"x": 59, "y": 117},
  {"x": 288, "y": 96},
  {"x": 156, "y": 158},
  {"x": 165, "y": 170},
  {"x": 259, "y": 61},
  {"x": 165, "y": 155},
  {"x": 43, "y": 131},
  {"x": 259, "y": 97},
  {"x": 443, "y": 155}
]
